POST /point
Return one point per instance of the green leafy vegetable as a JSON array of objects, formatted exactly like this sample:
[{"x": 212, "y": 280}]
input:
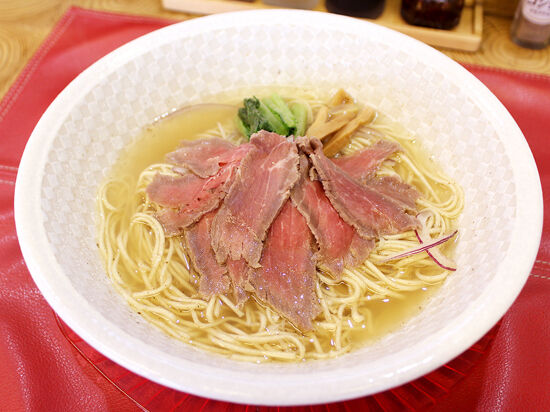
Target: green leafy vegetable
[
  {"x": 278, "y": 106},
  {"x": 300, "y": 114},
  {"x": 271, "y": 114},
  {"x": 243, "y": 129},
  {"x": 250, "y": 117},
  {"x": 274, "y": 122}
]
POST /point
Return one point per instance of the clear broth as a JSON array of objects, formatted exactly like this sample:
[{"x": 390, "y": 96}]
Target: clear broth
[{"x": 164, "y": 135}]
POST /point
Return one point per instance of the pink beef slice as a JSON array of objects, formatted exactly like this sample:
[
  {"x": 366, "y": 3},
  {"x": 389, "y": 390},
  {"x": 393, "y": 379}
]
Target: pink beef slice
[
  {"x": 205, "y": 157},
  {"x": 286, "y": 278},
  {"x": 260, "y": 188},
  {"x": 213, "y": 276},
  {"x": 185, "y": 199},
  {"x": 238, "y": 271},
  {"x": 339, "y": 244},
  {"x": 392, "y": 186},
  {"x": 370, "y": 212},
  {"x": 363, "y": 164}
]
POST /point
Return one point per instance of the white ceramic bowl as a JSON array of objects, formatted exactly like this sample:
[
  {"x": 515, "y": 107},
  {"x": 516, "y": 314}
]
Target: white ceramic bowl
[{"x": 454, "y": 115}]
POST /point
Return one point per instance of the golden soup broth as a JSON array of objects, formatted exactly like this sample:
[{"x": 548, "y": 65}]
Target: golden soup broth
[{"x": 164, "y": 289}]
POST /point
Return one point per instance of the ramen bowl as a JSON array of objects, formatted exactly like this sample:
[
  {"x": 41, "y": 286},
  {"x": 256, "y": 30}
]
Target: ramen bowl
[{"x": 455, "y": 117}]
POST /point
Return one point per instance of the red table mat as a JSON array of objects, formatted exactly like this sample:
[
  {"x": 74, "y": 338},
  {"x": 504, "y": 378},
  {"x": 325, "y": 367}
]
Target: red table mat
[{"x": 46, "y": 367}]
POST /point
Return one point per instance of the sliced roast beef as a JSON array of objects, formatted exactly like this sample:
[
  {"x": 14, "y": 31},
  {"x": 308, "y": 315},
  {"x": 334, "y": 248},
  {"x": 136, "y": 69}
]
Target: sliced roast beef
[
  {"x": 286, "y": 278},
  {"x": 260, "y": 188},
  {"x": 238, "y": 271},
  {"x": 186, "y": 198},
  {"x": 363, "y": 164},
  {"x": 204, "y": 157},
  {"x": 213, "y": 276},
  {"x": 396, "y": 189},
  {"x": 339, "y": 244},
  {"x": 370, "y": 212}
]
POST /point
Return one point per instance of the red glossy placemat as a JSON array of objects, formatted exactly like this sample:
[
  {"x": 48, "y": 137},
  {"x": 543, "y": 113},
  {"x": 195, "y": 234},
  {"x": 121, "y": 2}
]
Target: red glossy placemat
[
  {"x": 418, "y": 395},
  {"x": 42, "y": 368}
]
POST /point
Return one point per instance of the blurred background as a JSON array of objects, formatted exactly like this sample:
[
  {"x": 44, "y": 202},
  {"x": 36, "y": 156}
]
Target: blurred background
[{"x": 24, "y": 24}]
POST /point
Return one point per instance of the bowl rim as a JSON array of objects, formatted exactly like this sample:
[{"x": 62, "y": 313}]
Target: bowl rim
[{"x": 209, "y": 382}]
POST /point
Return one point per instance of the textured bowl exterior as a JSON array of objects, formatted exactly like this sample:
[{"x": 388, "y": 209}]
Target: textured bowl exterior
[{"x": 454, "y": 116}]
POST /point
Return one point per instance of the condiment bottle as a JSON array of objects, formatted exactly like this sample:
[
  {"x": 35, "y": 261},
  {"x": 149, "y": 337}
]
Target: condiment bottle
[
  {"x": 439, "y": 14},
  {"x": 531, "y": 25},
  {"x": 358, "y": 8}
]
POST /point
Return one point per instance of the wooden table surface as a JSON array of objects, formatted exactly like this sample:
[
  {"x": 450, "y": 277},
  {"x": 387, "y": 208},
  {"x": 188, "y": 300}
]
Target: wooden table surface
[{"x": 25, "y": 23}]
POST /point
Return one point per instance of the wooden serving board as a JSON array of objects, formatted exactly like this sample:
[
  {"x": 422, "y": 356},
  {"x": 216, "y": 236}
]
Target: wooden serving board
[{"x": 466, "y": 36}]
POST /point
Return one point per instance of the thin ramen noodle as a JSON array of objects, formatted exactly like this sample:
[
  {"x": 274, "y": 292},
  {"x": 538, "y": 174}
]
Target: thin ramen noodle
[{"x": 153, "y": 272}]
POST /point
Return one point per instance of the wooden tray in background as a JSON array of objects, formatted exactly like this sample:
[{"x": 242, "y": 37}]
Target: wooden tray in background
[{"x": 466, "y": 36}]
